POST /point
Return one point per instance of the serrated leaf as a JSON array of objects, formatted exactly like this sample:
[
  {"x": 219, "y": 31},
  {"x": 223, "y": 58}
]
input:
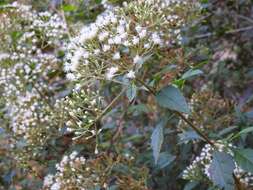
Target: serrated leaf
[
  {"x": 157, "y": 141},
  {"x": 191, "y": 73},
  {"x": 171, "y": 97},
  {"x": 131, "y": 92},
  {"x": 244, "y": 158},
  {"x": 221, "y": 170}
]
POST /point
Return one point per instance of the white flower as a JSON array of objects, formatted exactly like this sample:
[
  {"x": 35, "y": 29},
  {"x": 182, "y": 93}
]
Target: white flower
[
  {"x": 104, "y": 2},
  {"x": 130, "y": 74},
  {"x": 138, "y": 60},
  {"x": 106, "y": 47},
  {"x": 143, "y": 33},
  {"x": 120, "y": 29},
  {"x": 48, "y": 180},
  {"x": 71, "y": 76},
  {"x": 56, "y": 186},
  {"x": 138, "y": 28},
  {"x": 88, "y": 32},
  {"x": 156, "y": 39},
  {"x": 136, "y": 40},
  {"x": 117, "y": 39},
  {"x": 103, "y": 35},
  {"x": 111, "y": 72},
  {"x": 147, "y": 45},
  {"x": 4, "y": 56},
  {"x": 116, "y": 56},
  {"x": 123, "y": 35},
  {"x": 76, "y": 58},
  {"x": 73, "y": 155},
  {"x": 96, "y": 51},
  {"x": 85, "y": 54}
]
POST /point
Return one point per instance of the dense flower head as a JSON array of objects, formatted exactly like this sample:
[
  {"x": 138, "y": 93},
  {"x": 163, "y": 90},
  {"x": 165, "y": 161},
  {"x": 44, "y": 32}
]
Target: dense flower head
[{"x": 122, "y": 39}]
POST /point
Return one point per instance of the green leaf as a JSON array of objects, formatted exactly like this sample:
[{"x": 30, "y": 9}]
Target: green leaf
[
  {"x": 138, "y": 109},
  {"x": 171, "y": 97},
  {"x": 227, "y": 131},
  {"x": 191, "y": 73},
  {"x": 131, "y": 92},
  {"x": 114, "y": 187},
  {"x": 190, "y": 185},
  {"x": 166, "y": 69},
  {"x": 165, "y": 159},
  {"x": 69, "y": 8},
  {"x": 221, "y": 170},
  {"x": 244, "y": 131},
  {"x": 247, "y": 130},
  {"x": 188, "y": 136},
  {"x": 244, "y": 158},
  {"x": 157, "y": 141}
]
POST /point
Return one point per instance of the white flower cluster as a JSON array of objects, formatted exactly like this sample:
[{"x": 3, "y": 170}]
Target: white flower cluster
[
  {"x": 72, "y": 173},
  {"x": 199, "y": 169},
  {"x": 82, "y": 108},
  {"x": 76, "y": 172},
  {"x": 123, "y": 38},
  {"x": 29, "y": 43}
]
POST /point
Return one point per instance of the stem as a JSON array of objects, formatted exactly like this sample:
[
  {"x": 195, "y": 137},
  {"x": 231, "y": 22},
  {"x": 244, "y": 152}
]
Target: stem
[
  {"x": 43, "y": 97},
  {"x": 199, "y": 132},
  {"x": 238, "y": 30},
  {"x": 103, "y": 113},
  {"x": 238, "y": 184},
  {"x": 111, "y": 104}
]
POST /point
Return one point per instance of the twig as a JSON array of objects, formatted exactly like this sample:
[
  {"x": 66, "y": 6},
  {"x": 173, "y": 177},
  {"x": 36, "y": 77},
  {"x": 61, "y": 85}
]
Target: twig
[
  {"x": 103, "y": 113},
  {"x": 207, "y": 35},
  {"x": 245, "y": 18},
  {"x": 111, "y": 104},
  {"x": 200, "y": 133}
]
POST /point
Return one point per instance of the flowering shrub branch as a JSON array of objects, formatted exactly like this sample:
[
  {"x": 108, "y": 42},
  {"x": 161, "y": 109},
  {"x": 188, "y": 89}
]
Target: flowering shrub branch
[{"x": 91, "y": 104}]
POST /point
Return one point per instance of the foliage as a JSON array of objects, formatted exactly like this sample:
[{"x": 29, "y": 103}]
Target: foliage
[{"x": 140, "y": 95}]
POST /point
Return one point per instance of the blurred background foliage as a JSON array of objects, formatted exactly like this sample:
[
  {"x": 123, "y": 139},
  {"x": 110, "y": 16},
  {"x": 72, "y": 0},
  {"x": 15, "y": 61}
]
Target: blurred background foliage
[{"x": 220, "y": 43}]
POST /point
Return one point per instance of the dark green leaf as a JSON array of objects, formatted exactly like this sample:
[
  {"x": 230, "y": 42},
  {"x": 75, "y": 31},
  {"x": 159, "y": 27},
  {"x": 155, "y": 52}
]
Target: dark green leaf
[
  {"x": 227, "y": 131},
  {"x": 131, "y": 92},
  {"x": 171, "y": 97},
  {"x": 157, "y": 140},
  {"x": 245, "y": 131},
  {"x": 221, "y": 170},
  {"x": 188, "y": 136},
  {"x": 138, "y": 109},
  {"x": 165, "y": 159},
  {"x": 167, "y": 69},
  {"x": 244, "y": 158},
  {"x": 191, "y": 73},
  {"x": 191, "y": 185}
]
